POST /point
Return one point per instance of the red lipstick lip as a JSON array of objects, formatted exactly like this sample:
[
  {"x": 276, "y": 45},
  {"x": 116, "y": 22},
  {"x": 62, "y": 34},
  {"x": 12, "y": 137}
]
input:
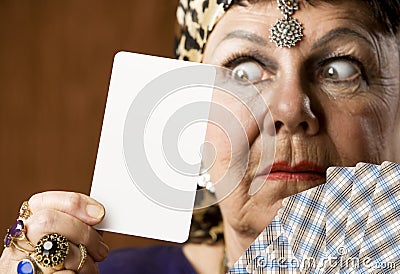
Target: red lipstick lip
[{"x": 302, "y": 171}]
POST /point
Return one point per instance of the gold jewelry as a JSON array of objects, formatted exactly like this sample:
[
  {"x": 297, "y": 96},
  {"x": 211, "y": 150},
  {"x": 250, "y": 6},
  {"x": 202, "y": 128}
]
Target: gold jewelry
[
  {"x": 24, "y": 250},
  {"x": 25, "y": 211},
  {"x": 51, "y": 251},
  {"x": 17, "y": 232},
  {"x": 28, "y": 265},
  {"x": 287, "y": 31},
  {"x": 83, "y": 251}
]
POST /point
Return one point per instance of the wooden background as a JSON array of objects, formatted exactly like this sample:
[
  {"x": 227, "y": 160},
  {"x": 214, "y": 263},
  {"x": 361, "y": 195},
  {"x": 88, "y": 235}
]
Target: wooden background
[{"x": 55, "y": 64}]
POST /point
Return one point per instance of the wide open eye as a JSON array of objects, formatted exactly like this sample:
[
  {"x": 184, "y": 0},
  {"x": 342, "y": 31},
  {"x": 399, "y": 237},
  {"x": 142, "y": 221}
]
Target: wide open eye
[
  {"x": 248, "y": 71},
  {"x": 340, "y": 70}
]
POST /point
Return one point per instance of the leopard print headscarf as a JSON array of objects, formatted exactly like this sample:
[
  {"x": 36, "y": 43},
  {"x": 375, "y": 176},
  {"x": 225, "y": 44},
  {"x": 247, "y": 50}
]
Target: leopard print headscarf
[{"x": 196, "y": 19}]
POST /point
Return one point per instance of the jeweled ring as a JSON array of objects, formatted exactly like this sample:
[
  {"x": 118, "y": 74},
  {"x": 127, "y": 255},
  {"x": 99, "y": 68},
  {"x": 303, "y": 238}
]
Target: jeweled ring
[
  {"x": 28, "y": 266},
  {"x": 25, "y": 211},
  {"x": 83, "y": 251},
  {"x": 51, "y": 251},
  {"x": 17, "y": 232}
]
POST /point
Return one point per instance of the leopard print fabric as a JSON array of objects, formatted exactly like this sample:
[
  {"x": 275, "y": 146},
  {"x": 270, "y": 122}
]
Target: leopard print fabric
[{"x": 196, "y": 19}]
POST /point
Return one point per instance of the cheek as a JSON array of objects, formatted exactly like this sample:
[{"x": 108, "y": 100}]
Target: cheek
[
  {"x": 359, "y": 132},
  {"x": 352, "y": 140},
  {"x": 222, "y": 158},
  {"x": 231, "y": 130}
]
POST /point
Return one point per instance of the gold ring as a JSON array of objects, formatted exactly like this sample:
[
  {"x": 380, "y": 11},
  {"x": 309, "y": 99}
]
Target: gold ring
[
  {"x": 28, "y": 265},
  {"x": 26, "y": 251},
  {"x": 51, "y": 251},
  {"x": 17, "y": 232},
  {"x": 83, "y": 251},
  {"x": 25, "y": 211}
]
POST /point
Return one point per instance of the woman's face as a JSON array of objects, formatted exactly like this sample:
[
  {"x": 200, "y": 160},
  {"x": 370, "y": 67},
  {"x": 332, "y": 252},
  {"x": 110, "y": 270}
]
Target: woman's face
[{"x": 334, "y": 99}]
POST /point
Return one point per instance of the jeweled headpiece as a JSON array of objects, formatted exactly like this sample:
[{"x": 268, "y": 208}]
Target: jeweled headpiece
[
  {"x": 287, "y": 31},
  {"x": 197, "y": 19}
]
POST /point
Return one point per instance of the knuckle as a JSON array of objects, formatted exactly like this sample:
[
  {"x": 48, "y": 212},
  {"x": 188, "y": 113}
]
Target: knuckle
[
  {"x": 36, "y": 199},
  {"x": 44, "y": 220},
  {"x": 74, "y": 201},
  {"x": 86, "y": 235}
]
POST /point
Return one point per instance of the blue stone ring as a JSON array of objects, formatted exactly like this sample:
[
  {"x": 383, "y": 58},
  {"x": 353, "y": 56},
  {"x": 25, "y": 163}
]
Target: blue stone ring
[
  {"x": 28, "y": 266},
  {"x": 50, "y": 251}
]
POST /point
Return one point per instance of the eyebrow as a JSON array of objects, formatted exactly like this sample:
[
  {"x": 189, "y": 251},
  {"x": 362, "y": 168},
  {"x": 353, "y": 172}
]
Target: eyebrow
[
  {"x": 339, "y": 32},
  {"x": 247, "y": 35},
  {"x": 331, "y": 35}
]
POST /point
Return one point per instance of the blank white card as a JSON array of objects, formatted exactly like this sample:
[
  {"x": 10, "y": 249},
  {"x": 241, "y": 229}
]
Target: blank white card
[{"x": 149, "y": 152}]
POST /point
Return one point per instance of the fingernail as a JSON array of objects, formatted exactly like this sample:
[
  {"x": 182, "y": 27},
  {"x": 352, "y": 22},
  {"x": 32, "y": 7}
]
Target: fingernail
[{"x": 95, "y": 211}]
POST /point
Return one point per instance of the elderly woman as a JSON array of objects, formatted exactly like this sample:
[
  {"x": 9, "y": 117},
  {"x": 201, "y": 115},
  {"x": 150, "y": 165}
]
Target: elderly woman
[{"x": 329, "y": 71}]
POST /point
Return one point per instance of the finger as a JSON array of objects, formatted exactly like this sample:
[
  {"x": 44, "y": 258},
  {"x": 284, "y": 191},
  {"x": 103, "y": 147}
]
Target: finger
[
  {"x": 11, "y": 257},
  {"x": 49, "y": 221},
  {"x": 78, "y": 205},
  {"x": 9, "y": 260},
  {"x": 65, "y": 272},
  {"x": 74, "y": 258}
]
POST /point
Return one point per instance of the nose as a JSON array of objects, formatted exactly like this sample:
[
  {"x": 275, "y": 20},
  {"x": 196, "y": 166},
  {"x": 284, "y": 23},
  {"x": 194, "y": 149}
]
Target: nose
[{"x": 291, "y": 108}]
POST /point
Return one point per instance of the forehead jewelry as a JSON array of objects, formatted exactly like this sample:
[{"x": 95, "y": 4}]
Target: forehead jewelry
[{"x": 287, "y": 31}]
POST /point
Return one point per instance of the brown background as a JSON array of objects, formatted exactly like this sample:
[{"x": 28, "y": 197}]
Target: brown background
[{"x": 55, "y": 64}]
